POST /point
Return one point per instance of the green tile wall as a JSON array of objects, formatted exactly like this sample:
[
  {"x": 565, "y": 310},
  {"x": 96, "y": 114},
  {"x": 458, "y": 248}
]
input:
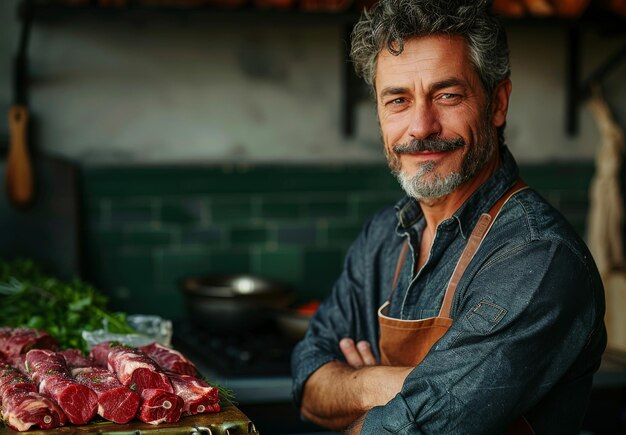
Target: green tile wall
[{"x": 148, "y": 227}]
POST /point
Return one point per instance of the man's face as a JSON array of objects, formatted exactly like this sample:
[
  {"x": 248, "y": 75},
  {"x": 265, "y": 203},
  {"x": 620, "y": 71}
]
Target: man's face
[{"x": 436, "y": 121}]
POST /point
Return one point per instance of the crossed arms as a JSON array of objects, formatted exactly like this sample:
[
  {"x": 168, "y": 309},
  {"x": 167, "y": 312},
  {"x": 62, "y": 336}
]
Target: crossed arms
[{"x": 339, "y": 394}]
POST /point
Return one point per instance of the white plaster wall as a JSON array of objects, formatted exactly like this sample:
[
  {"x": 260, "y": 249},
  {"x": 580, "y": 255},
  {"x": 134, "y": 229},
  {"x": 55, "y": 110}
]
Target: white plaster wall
[{"x": 162, "y": 90}]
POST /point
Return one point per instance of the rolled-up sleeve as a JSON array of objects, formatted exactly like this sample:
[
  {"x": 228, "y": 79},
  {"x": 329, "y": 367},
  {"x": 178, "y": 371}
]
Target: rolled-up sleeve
[
  {"x": 349, "y": 311},
  {"x": 331, "y": 322}
]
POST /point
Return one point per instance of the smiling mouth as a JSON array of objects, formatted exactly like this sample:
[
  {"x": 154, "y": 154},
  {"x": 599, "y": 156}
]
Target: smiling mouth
[{"x": 427, "y": 155}]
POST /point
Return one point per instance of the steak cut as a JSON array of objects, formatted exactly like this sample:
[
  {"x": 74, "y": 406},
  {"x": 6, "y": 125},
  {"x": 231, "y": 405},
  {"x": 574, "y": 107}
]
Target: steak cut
[
  {"x": 11, "y": 378},
  {"x": 160, "y": 406},
  {"x": 22, "y": 407},
  {"x": 170, "y": 360},
  {"x": 49, "y": 370},
  {"x": 15, "y": 341},
  {"x": 197, "y": 395},
  {"x": 22, "y": 410},
  {"x": 100, "y": 353},
  {"x": 75, "y": 358},
  {"x": 19, "y": 362},
  {"x": 133, "y": 368},
  {"x": 116, "y": 402}
]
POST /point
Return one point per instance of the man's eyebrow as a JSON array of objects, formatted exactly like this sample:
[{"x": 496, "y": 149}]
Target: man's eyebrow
[
  {"x": 447, "y": 83},
  {"x": 392, "y": 91}
]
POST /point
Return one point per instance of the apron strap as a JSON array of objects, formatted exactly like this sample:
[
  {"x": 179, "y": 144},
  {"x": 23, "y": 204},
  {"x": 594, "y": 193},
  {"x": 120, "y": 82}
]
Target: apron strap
[{"x": 481, "y": 229}]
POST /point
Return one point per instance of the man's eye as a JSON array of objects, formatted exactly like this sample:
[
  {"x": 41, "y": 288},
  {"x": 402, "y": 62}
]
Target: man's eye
[
  {"x": 449, "y": 97},
  {"x": 396, "y": 102}
]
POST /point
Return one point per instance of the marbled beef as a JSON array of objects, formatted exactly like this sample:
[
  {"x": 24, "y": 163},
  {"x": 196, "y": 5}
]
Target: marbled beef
[
  {"x": 15, "y": 341},
  {"x": 159, "y": 406},
  {"x": 133, "y": 368},
  {"x": 116, "y": 402},
  {"x": 19, "y": 362},
  {"x": 75, "y": 358},
  {"x": 49, "y": 370},
  {"x": 197, "y": 395},
  {"x": 11, "y": 378},
  {"x": 22, "y": 407},
  {"x": 170, "y": 360}
]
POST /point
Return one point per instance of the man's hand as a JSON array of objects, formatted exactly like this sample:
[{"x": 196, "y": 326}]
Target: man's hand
[
  {"x": 339, "y": 393},
  {"x": 358, "y": 355}
]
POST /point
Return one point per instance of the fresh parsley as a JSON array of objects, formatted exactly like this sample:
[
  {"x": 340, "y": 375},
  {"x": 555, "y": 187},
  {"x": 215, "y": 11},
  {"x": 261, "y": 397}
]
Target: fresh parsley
[{"x": 30, "y": 298}]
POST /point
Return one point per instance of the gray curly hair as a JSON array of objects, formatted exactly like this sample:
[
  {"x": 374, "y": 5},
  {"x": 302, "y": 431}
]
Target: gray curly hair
[{"x": 391, "y": 22}]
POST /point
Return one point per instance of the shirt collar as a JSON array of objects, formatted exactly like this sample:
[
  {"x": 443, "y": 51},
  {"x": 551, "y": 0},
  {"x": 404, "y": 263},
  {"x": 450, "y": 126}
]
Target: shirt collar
[{"x": 409, "y": 211}]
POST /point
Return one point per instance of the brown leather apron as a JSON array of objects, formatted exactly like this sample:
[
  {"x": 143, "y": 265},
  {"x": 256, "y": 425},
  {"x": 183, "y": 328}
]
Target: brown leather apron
[{"x": 406, "y": 342}]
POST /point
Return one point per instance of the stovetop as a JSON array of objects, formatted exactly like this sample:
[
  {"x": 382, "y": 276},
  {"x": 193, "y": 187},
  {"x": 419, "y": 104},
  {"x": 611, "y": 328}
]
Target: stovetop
[{"x": 261, "y": 352}]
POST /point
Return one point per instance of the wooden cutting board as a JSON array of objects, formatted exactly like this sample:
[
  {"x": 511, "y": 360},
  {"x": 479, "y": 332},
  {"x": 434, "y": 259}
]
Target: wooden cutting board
[{"x": 229, "y": 421}]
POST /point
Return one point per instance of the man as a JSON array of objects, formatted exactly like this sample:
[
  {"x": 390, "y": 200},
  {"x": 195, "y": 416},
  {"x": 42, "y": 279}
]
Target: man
[{"x": 515, "y": 342}]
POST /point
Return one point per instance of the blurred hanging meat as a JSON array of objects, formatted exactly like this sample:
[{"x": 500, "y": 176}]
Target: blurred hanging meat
[
  {"x": 540, "y": 8},
  {"x": 605, "y": 219}
]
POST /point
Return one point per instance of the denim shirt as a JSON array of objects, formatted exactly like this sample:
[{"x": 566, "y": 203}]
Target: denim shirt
[{"x": 527, "y": 333}]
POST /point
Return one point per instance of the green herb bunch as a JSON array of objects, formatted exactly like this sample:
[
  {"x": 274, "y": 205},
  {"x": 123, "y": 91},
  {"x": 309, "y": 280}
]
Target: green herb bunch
[{"x": 30, "y": 298}]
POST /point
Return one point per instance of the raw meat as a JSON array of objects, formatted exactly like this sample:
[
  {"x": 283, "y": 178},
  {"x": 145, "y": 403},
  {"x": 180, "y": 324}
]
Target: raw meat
[
  {"x": 197, "y": 395},
  {"x": 75, "y": 358},
  {"x": 11, "y": 378},
  {"x": 116, "y": 402},
  {"x": 25, "y": 409},
  {"x": 133, "y": 368},
  {"x": 100, "y": 353},
  {"x": 159, "y": 406},
  {"x": 22, "y": 406},
  {"x": 170, "y": 360},
  {"x": 15, "y": 341},
  {"x": 46, "y": 389},
  {"x": 49, "y": 370},
  {"x": 19, "y": 362}
]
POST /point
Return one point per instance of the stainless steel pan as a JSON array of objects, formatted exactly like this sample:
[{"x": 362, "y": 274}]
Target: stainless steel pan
[{"x": 227, "y": 304}]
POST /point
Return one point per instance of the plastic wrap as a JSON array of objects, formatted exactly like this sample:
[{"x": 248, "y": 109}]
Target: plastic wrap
[{"x": 149, "y": 329}]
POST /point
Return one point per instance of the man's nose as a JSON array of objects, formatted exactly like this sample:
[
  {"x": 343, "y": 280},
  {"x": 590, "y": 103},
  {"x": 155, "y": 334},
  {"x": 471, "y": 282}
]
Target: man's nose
[{"x": 424, "y": 121}]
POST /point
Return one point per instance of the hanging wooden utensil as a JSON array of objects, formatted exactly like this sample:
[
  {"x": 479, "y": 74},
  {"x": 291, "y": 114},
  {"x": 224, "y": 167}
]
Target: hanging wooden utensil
[{"x": 19, "y": 172}]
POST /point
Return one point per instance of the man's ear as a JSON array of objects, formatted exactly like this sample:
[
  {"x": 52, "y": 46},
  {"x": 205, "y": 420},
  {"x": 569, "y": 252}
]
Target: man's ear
[{"x": 500, "y": 102}]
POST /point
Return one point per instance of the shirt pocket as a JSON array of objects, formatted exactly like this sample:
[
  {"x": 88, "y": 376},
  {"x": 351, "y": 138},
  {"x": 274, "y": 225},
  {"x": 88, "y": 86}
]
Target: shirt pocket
[{"x": 485, "y": 316}]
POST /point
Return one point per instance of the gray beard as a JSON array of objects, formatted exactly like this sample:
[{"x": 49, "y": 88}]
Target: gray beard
[
  {"x": 425, "y": 184},
  {"x": 417, "y": 187}
]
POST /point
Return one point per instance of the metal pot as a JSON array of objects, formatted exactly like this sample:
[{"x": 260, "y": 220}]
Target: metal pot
[{"x": 230, "y": 304}]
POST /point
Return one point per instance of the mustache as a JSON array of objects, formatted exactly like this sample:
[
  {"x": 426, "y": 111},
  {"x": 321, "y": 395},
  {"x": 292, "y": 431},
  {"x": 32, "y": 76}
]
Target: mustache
[{"x": 434, "y": 144}]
